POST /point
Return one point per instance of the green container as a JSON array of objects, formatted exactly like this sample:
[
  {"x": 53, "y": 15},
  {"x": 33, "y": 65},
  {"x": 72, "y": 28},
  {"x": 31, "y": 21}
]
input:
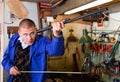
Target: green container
[{"x": 85, "y": 38}]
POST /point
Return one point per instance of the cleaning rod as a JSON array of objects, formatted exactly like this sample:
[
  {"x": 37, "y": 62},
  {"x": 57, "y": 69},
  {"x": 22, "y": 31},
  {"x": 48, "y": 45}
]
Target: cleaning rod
[
  {"x": 53, "y": 72},
  {"x": 74, "y": 19}
]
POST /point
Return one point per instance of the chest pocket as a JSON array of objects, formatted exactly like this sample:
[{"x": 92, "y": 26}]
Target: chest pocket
[
  {"x": 39, "y": 56},
  {"x": 39, "y": 60}
]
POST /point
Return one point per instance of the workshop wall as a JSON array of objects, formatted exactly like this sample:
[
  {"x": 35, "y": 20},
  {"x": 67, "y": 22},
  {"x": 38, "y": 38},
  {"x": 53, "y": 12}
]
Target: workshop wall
[
  {"x": 112, "y": 25},
  {"x": 108, "y": 26},
  {"x": 66, "y": 62}
]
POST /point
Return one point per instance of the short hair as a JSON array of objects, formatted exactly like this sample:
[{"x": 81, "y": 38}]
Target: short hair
[{"x": 27, "y": 23}]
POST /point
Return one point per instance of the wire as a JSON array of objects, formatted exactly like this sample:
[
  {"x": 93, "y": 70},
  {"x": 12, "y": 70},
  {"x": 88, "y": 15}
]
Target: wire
[{"x": 110, "y": 17}]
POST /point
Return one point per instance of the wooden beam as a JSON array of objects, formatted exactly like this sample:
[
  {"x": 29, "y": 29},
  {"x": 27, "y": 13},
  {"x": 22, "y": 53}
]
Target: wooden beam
[
  {"x": 42, "y": 1},
  {"x": 39, "y": 16},
  {"x": 45, "y": 1},
  {"x": 114, "y": 8},
  {"x": 62, "y": 17},
  {"x": 69, "y": 4}
]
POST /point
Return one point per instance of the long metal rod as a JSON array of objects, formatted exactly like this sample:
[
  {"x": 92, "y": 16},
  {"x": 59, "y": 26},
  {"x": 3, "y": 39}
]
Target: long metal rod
[
  {"x": 53, "y": 72},
  {"x": 74, "y": 19},
  {"x": 106, "y": 32}
]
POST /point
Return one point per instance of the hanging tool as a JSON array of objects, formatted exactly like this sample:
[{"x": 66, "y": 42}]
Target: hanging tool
[
  {"x": 74, "y": 19},
  {"x": 114, "y": 48},
  {"x": 112, "y": 39}
]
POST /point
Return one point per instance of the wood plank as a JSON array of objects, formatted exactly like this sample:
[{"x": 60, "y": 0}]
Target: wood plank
[
  {"x": 74, "y": 4},
  {"x": 36, "y": 0},
  {"x": 43, "y": 1},
  {"x": 62, "y": 17},
  {"x": 17, "y": 8},
  {"x": 70, "y": 4}
]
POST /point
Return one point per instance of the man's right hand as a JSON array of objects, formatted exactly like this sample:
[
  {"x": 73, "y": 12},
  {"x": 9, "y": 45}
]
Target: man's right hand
[{"x": 14, "y": 70}]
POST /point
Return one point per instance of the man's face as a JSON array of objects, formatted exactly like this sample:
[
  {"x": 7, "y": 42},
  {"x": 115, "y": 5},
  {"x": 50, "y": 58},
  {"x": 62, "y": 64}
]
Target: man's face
[{"x": 28, "y": 35}]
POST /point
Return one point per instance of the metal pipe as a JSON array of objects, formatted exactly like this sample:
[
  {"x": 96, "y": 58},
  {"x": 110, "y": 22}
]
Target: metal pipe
[
  {"x": 106, "y": 32},
  {"x": 74, "y": 19},
  {"x": 62, "y": 72}
]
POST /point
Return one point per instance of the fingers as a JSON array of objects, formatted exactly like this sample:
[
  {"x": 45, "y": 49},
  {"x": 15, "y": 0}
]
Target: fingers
[
  {"x": 62, "y": 25},
  {"x": 58, "y": 26},
  {"x": 14, "y": 71}
]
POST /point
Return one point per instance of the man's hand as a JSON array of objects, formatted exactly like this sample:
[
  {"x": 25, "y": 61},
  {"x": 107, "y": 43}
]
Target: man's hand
[
  {"x": 57, "y": 27},
  {"x": 14, "y": 70}
]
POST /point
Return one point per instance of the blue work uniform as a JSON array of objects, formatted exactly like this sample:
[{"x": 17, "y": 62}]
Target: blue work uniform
[{"x": 38, "y": 54}]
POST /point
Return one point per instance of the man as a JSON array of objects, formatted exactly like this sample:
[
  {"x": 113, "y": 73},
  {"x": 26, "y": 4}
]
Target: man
[{"x": 27, "y": 51}]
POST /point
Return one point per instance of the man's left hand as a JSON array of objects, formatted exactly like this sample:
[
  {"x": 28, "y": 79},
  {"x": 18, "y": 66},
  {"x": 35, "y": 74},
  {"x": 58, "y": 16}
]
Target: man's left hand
[{"x": 57, "y": 27}]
